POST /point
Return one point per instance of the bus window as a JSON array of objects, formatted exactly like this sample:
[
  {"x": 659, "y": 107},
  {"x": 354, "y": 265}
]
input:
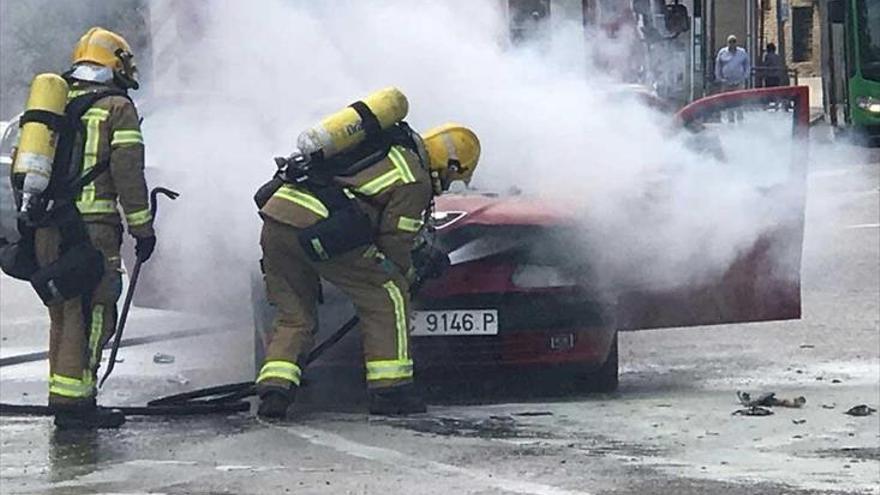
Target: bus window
[{"x": 869, "y": 39}]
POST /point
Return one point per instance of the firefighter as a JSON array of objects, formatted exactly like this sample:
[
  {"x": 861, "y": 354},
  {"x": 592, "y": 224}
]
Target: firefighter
[
  {"x": 395, "y": 193},
  {"x": 111, "y": 133}
]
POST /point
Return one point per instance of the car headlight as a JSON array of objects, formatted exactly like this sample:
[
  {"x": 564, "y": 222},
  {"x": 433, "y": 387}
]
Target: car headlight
[
  {"x": 540, "y": 277},
  {"x": 869, "y": 104}
]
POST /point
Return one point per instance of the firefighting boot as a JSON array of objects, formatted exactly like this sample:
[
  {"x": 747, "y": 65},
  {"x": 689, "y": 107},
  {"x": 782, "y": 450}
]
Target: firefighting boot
[
  {"x": 87, "y": 417},
  {"x": 399, "y": 400},
  {"x": 274, "y": 403}
]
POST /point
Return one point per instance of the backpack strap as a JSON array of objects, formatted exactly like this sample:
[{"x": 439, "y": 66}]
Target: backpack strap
[
  {"x": 91, "y": 175},
  {"x": 68, "y": 180},
  {"x": 369, "y": 121},
  {"x": 79, "y": 105},
  {"x": 400, "y": 134},
  {"x": 50, "y": 119},
  {"x": 405, "y": 136}
]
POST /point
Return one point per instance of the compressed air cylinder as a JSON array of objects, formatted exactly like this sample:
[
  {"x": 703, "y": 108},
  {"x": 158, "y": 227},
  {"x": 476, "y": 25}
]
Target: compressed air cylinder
[
  {"x": 344, "y": 129},
  {"x": 36, "y": 147}
]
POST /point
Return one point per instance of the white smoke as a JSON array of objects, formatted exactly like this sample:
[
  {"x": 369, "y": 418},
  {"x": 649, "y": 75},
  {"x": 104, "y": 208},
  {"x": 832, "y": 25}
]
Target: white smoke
[{"x": 653, "y": 210}]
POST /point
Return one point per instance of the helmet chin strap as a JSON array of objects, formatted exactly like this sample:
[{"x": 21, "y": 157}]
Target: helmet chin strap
[
  {"x": 125, "y": 76},
  {"x": 124, "y": 82},
  {"x": 437, "y": 182}
]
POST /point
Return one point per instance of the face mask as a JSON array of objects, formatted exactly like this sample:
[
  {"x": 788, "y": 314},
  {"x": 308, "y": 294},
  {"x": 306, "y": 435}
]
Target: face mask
[{"x": 92, "y": 73}]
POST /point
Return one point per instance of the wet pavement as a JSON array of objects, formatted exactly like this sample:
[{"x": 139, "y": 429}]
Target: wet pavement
[{"x": 668, "y": 429}]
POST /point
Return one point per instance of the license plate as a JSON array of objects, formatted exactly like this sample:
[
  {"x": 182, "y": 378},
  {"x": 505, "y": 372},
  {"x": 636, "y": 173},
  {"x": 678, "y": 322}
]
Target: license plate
[{"x": 455, "y": 323}]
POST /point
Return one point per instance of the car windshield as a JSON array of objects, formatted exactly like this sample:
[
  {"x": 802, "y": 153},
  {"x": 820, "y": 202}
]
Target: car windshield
[{"x": 869, "y": 38}]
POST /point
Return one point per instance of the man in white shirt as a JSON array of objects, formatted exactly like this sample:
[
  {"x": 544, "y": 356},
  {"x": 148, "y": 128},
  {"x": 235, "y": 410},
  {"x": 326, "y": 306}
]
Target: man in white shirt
[
  {"x": 732, "y": 66},
  {"x": 732, "y": 69}
]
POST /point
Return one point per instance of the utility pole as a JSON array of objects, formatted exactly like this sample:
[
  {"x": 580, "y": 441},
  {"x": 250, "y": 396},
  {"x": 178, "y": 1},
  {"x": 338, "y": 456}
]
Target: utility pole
[
  {"x": 750, "y": 38},
  {"x": 709, "y": 28}
]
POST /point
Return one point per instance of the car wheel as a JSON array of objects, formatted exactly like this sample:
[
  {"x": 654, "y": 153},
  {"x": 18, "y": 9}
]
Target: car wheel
[
  {"x": 263, "y": 315},
  {"x": 604, "y": 379}
]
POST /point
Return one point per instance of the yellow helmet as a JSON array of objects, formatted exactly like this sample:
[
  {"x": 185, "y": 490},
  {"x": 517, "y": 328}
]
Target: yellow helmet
[
  {"x": 453, "y": 151},
  {"x": 108, "y": 49}
]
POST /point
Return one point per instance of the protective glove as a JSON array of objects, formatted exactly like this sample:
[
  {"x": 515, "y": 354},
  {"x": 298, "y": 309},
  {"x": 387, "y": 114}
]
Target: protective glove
[
  {"x": 144, "y": 246},
  {"x": 429, "y": 261}
]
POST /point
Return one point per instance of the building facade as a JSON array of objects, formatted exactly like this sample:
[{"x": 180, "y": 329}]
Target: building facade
[{"x": 800, "y": 25}]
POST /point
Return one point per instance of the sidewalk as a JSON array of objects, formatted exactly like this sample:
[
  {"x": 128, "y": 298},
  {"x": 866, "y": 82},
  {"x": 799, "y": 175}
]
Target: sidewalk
[{"x": 815, "y": 85}]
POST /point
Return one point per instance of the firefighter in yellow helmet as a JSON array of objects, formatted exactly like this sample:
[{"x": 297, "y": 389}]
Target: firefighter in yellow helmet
[
  {"x": 453, "y": 151},
  {"x": 357, "y": 232},
  {"x": 110, "y": 143}
]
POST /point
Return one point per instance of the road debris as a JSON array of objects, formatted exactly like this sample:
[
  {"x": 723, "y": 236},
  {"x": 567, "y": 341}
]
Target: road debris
[
  {"x": 769, "y": 399},
  {"x": 799, "y": 421},
  {"x": 753, "y": 411},
  {"x": 161, "y": 358},
  {"x": 861, "y": 410},
  {"x": 254, "y": 469},
  {"x": 492, "y": 427},
  {"x": 178, "y": 380},
  {"x": 534, "y": 413}
]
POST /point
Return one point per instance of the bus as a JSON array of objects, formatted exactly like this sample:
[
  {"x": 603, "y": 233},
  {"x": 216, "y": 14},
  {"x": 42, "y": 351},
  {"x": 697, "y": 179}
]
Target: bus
[{"x": 851, "y": 65}]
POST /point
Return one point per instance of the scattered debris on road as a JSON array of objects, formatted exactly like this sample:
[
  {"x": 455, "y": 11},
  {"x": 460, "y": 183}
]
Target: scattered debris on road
[
  {"x": 492, "y": 427},
  {"x": 861, "y": 410},
  {"x": 799, "y": 421},
  {"x": 769, "y": 399},
  {"x": 753, "y": 411},
  {"x": 161, "y": 358},
  {"x": 178, "y": 379}
]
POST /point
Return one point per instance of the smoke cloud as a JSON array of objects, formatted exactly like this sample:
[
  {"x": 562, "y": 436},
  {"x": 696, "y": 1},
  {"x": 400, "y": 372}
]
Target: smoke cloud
[{"x": 234, "y": 84}]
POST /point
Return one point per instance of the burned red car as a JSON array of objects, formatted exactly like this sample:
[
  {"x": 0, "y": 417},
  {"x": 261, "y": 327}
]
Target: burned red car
[
  {"x": 513, "y": 301},
  {"x": 514, "y": 304},
  {"x": 509, "y": 302}
]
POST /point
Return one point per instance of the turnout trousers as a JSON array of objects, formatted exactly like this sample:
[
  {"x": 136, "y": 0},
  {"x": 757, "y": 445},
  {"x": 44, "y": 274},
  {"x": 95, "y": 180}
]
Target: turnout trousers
[
  {"x": 80, "y": 327},
  {"x": 379, "y": 294}
]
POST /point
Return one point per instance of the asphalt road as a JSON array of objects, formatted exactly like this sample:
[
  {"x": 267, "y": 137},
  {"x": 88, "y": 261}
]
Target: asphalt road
[{"x": 668, "y": 430}]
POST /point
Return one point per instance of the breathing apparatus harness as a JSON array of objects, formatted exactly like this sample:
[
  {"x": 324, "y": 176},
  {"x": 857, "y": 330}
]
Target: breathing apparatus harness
[
  {"x": 347, "y": 226},
  {"x": 80, "y": 265}
]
